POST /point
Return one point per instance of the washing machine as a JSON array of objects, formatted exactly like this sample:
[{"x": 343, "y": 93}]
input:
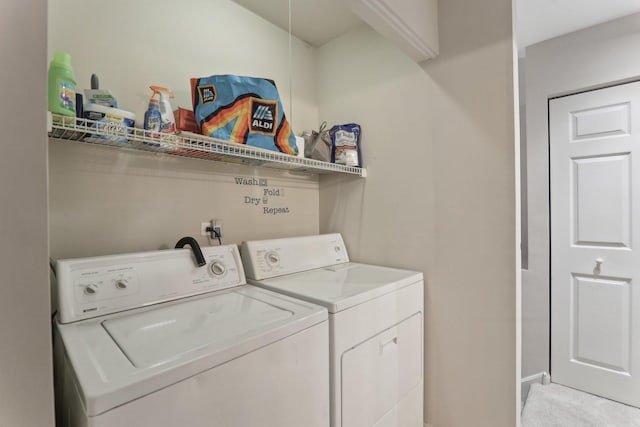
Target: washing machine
[
  {"x": 375, "y": 324},
  {"x": 151, "y": 339}
]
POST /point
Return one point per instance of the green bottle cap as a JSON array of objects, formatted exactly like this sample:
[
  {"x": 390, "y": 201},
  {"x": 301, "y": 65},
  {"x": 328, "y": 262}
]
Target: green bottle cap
[{"x": 62, "y": 59}]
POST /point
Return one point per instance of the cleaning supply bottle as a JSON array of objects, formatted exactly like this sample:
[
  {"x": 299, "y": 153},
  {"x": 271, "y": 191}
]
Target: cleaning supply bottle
[
  {"x": 62, "y": 85},
  {"x": 168, "y": 121},
  {"x": 152, "y": 117}
]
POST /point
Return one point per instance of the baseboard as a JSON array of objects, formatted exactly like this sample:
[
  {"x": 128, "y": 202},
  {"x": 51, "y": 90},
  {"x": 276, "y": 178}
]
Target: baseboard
[{"x": 539, "y": 378}]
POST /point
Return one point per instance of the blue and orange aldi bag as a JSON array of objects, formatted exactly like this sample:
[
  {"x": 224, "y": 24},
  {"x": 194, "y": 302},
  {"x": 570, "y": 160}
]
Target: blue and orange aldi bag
[{"x": 245, "y": 110}]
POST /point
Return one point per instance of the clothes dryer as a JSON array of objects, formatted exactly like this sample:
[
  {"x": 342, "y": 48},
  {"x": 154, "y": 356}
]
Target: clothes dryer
[{"x": 375, "y": 324}]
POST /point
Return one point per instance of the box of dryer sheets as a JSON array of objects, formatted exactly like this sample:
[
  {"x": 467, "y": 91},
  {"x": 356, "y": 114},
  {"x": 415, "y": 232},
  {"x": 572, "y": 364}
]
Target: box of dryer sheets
[
  {"x": 185, "y": 120},
  {"x": 244, "y": 110}
]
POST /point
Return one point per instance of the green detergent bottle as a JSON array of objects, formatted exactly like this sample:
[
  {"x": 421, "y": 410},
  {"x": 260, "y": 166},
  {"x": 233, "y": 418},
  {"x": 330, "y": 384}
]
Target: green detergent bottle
[{"x": 62, "y": 85}]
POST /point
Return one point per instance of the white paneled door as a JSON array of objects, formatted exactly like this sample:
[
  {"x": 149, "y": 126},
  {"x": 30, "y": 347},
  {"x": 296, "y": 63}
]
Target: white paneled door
[{"x": 595, "y": 241}]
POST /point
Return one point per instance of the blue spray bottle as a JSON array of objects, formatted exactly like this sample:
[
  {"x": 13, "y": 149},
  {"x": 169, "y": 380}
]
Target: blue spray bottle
[{"x": 153, "y": 119}]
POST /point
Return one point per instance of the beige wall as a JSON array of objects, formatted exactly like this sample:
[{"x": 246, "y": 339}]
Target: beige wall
[
  {"x": 438, "y": 142},
  {"x": 389, "y": 216},
  {"x": 589, "y": 58},
  {"x": 26, "y": 382},
  {"x": 105, "y": 201}
]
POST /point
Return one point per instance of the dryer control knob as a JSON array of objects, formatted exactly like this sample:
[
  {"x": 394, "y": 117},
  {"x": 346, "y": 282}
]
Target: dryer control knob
[
  {"x": 122, "y": 284},
  {"x": 272, "y": 258},
  {"x": 218, "y": 268},
  {"x": 91, "y": 289}
]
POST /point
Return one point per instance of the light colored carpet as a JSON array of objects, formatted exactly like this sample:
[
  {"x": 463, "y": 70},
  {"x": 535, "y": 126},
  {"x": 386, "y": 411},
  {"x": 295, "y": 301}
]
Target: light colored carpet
[{"x": 556, "y": 406}]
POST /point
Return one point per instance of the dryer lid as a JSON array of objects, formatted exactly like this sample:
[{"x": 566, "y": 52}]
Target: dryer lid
[
  {"x": 158, "y": 336},
  {"x": 341, "y": 286}
]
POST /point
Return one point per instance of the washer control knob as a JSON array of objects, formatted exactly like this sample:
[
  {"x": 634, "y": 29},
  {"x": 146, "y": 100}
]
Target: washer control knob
[
  {"x": 91, "y": 289},
  {"x": 122, "y": 284},
  {"x": 272, "y": 258},
  {"x": 218, "y": 268}
]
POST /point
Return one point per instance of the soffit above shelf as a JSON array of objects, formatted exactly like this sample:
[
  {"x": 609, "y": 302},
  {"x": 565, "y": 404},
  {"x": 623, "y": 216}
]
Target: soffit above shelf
[{"x": 411, "y": 24}]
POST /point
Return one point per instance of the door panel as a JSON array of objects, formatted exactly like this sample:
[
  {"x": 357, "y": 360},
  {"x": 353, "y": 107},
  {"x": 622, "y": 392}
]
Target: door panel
[
  {"x": 601, "y": 191},
  {"x": 595, "y": 300},
  {"x": 601, "y": 322},
  {"x": 600, "y": 122}
]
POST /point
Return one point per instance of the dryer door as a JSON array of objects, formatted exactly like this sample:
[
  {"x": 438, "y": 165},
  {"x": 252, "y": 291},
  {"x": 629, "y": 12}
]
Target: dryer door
[{"x": 379, "y": 372}]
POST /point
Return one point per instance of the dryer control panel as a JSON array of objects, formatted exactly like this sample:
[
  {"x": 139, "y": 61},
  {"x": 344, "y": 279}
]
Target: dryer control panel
[
  {"x": 264, "y": 259},
  {"x": 91, "y": 287}
]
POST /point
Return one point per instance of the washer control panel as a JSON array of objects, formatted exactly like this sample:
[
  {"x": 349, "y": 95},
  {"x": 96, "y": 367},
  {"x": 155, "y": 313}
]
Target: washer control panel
[
  {"x": 110, "y": 284},
  {"x": 269, "y": 258},
  {"x": 90, "y": 287}
]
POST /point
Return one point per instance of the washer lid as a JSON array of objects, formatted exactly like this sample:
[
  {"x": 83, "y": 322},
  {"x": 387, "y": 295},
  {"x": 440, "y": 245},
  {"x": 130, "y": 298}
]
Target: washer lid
[
  {"x": 155, "y": 337},
  {"x": 341, "y": 286},
  {"x": 118, "y": 358}
]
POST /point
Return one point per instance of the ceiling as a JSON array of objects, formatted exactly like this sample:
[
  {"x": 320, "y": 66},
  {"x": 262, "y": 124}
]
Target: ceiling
[
  {"x": 314, "y": 21},
  {"x": 318, "y": 21},
  {"x": 540, "y": 20}
]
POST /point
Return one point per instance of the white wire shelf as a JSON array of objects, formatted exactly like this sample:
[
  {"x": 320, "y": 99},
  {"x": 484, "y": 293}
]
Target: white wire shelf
[{"x": 187, "y": 144}]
